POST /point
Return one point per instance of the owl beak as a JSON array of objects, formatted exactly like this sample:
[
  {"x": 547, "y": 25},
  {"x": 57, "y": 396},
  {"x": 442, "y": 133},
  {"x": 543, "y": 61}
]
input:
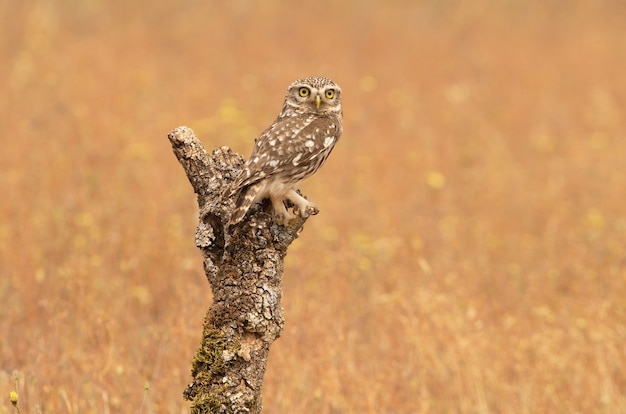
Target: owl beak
[{"x": 318, "y": 101}]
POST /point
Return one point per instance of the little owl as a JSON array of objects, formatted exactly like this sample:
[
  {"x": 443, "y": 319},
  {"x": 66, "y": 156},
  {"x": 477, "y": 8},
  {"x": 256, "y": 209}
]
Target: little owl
[{"x": 293, "y": 148}]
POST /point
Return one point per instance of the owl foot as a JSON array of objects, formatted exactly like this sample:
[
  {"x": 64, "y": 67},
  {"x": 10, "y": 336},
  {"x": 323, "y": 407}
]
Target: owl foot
[
  {"x": 309, "y": 210},
  {"x": 281, "y": 215},
  {"x": 283, "y": 219},
  {"x": 304, "y": 207}
]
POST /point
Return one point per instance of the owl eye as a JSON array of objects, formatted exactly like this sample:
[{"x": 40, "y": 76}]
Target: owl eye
[
  {"x": 330, "y": 94},
  {"x": 304, "y": 92}
]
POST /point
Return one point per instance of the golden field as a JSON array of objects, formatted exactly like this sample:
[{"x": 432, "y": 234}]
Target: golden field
[{"x": 470, "y": 253}]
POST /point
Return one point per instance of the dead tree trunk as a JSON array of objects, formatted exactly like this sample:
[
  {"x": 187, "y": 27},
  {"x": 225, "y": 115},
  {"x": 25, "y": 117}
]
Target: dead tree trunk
[{"x": 244, "y": 266}]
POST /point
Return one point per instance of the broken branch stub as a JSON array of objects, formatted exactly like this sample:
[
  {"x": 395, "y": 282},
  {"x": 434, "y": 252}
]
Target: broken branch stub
[{"x": 244, "y": 266}]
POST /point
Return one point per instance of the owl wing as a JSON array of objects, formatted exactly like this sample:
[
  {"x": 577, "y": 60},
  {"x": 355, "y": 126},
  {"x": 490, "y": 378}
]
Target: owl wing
[{"x": 290, "y": 144}]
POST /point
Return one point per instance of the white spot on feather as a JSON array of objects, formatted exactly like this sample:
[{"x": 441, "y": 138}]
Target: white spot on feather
[
  {"x": 273, "y": 163},
  {"x": 309, "y": 143},
  {"x": 296, "y": 159},
  {"x": 328, "y": 142}
]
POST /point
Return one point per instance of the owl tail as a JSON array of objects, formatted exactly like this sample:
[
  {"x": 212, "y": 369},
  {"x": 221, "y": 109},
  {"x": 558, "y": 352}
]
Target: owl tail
[{"x": 244, "y": 200}]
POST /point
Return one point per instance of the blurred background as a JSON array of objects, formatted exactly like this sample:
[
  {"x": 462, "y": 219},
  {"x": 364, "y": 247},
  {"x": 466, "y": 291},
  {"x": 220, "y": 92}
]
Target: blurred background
[{"x": 470, "y": 253}]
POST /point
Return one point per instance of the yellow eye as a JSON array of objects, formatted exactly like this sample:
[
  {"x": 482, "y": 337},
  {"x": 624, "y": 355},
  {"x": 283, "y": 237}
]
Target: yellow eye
[
  {"x": 330, "y": 94},
  {"x": 304, "y": 92}
]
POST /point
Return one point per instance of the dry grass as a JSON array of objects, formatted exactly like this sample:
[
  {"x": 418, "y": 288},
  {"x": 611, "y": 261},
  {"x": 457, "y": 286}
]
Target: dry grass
[{"x": 470, "y": 256}]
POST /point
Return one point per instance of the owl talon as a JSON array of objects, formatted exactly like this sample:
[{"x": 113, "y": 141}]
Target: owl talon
[
  {"x": 308, "y": 210},
  {"x": 283, "y": 220}
]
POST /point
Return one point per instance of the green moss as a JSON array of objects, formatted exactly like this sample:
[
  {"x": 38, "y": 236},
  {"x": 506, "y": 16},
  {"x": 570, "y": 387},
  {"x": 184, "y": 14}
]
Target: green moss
[
  {"x": 206, "y": 404},
  {"x": 208, "y": 368},
  {"x": 209, "y": 355}
]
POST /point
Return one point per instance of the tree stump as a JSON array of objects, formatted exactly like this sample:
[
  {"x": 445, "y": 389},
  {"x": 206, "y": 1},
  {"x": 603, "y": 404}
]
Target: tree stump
[{"x": 244, "y": 266}]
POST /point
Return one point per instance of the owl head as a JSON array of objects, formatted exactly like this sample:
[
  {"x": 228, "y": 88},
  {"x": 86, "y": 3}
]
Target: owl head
[{"x": 312, "y": 95}]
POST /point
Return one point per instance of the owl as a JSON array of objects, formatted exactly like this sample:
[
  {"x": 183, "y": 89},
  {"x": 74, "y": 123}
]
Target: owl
[{"x": 291, "y": 149}]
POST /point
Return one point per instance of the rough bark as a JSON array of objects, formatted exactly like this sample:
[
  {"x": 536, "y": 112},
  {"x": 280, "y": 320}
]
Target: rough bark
[{"x": 244, "y": 267}]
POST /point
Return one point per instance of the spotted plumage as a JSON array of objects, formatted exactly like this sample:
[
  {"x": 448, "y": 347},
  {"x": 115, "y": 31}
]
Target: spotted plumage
[{"x": 291, "y": 149}]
